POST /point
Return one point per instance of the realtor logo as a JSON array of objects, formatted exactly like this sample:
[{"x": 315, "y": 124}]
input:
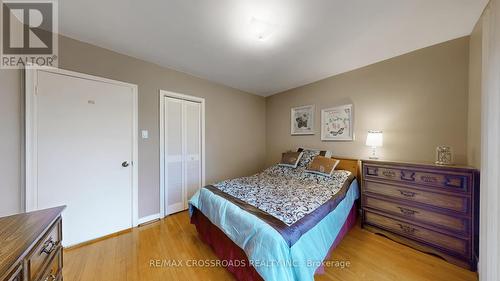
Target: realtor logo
[{"x": 29, "y": 34}]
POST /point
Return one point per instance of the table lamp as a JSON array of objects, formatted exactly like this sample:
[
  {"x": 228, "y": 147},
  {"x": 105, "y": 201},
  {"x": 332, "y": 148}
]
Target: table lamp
[{"x": 374, "y": 139}]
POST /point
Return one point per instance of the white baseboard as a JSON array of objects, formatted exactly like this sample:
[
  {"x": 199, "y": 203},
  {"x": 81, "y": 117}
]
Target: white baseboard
[{"x": 149, "y": 218}]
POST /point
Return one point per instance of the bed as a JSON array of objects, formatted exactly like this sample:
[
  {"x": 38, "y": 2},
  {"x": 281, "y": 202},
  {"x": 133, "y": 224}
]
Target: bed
[{"x": 280, "y": 224}]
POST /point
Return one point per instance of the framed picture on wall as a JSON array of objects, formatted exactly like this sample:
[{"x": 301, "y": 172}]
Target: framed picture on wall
[
  {"x": 337, "y": 123},
  {"x": 302, "y": 120}
]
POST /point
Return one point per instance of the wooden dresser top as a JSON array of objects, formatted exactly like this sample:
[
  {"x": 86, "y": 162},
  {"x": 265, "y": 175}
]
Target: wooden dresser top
[
  {"x": 19, "y": 232},
  {"x": 417, "y": 164}
]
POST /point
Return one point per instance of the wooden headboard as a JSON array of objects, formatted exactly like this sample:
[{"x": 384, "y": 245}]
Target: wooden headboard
[{"x": 351, "y": 165}]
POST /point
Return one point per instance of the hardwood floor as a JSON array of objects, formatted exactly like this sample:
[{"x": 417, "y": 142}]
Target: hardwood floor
[{"x": 128, "y": 257}]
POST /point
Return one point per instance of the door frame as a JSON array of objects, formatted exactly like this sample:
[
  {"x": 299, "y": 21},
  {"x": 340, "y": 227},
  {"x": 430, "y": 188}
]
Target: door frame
[
  {"x": 489, "y": 232},
  {"x": 162, "y": 95},
  {"x": 31, "y": 134}
]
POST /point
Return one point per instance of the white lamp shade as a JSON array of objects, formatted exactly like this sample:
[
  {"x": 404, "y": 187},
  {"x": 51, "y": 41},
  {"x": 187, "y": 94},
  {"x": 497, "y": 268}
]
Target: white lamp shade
[{"x": 374, "y": 139}]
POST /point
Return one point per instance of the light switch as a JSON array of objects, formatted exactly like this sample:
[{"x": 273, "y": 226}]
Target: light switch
[{"x": 145, "y": 134}]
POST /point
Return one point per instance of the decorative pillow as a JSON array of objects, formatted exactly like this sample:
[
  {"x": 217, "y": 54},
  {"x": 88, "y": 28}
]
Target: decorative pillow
[
  {"x": 309, "y": 154},
  {"x": 290, "y": 159},
  {"x": 322, "y": 165}
]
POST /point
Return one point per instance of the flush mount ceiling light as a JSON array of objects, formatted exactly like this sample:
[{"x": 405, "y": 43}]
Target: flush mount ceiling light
[
  {"x": 260, "y": 24},
  {"x": 261, "y": 29}
]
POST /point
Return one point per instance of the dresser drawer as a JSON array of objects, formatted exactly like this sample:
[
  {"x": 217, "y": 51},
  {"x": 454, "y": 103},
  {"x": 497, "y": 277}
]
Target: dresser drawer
[
  {"x": 423, "y": 235},
  {"x": 16, "y": 275},
  {"x": 38, "y": 259},
  {"x": 53, "y": 271},
  {"x": 443, "y": 201},
  {"x": 445, "y": 180},
  {"x": 452, "y": 223}
]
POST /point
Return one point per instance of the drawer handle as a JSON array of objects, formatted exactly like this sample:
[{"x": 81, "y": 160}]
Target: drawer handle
[
  {"x": 389, "y": 174},
  {"x": 407, "y": 229},
  {"x": 407, "y": 212},
  {"x": 407, "y": 194},
  {"x": 51, "y": 277},
  {"x": 48, "y": 247}
]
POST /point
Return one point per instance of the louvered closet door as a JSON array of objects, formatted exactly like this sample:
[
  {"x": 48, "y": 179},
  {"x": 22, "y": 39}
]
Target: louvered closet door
[
  {"x": 192, "y": 158},
  {"x": 174, "y": 166},
  {"x": 182, "y": 152}
]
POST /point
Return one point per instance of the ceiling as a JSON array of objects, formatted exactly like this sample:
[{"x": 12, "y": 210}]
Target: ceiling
[{"x": 306, "y": 40}]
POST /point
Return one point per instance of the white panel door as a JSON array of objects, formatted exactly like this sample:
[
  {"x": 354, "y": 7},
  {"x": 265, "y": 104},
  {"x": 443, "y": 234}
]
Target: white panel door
[
  {"x": 182, "y": 152},
  {"x": 85, "y": 146}
]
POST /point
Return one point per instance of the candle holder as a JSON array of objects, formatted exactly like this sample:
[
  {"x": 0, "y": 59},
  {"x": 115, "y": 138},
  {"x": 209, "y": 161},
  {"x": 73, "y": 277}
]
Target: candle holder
[{"x": 444, "y": 155}]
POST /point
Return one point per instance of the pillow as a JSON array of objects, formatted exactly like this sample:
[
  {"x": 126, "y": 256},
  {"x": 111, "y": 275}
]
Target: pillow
[
  {"x": 290, "y": 159},
  {"x": 309, "y": 154},
  {"x": 322, "y": 165}
]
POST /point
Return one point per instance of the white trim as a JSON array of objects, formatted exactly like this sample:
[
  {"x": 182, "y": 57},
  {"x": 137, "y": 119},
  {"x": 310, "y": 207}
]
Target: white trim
[
  {"x": 182, "y": 96},
  {"x": 162, "y": 95},
  {"x": 31, "y": 204},
  {"x": 135, "y": 156},
  {"x": 149, "y": 218},
  {"x": 162, "y": 155},
  {"x": 81, "y": 75},
  {"x": 489, "y": 233},
  {"x": 31, "y": 188}
]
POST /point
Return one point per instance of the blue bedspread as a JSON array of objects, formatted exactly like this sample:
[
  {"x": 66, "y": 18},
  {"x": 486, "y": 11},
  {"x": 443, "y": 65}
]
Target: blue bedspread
[{"x": 265, "y": 248}]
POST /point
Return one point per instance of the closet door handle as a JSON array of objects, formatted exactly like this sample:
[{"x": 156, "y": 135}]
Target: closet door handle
[{"x": 125, "y": 164}]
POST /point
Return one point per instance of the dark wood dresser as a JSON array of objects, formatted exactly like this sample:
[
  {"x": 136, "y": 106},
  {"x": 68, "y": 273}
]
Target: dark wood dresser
[
  {"x": 30, "y": 248},
  {"x": 428, "y": 207}
]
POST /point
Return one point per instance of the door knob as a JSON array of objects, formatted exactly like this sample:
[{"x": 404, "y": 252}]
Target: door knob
[{"x": 125, "y": 164}]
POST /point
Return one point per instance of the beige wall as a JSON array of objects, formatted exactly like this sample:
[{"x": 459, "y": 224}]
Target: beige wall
[
  {"x": 11, "y": 138},
  {"x": 418, "y": 99},
  {"x": 235, "y": 121},
  {"x": 474, "y": 111}
]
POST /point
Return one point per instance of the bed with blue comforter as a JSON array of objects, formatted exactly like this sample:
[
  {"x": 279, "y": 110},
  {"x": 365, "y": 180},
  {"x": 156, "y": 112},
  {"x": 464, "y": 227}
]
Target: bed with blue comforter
[{"x": 284, "y": 219}]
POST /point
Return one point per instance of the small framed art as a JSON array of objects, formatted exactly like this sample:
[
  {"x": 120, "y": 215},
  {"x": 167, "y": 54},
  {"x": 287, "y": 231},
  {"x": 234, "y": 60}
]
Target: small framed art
[
  {"x": 337, "y": 123},
  {"x": 302, "y": 120}
]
